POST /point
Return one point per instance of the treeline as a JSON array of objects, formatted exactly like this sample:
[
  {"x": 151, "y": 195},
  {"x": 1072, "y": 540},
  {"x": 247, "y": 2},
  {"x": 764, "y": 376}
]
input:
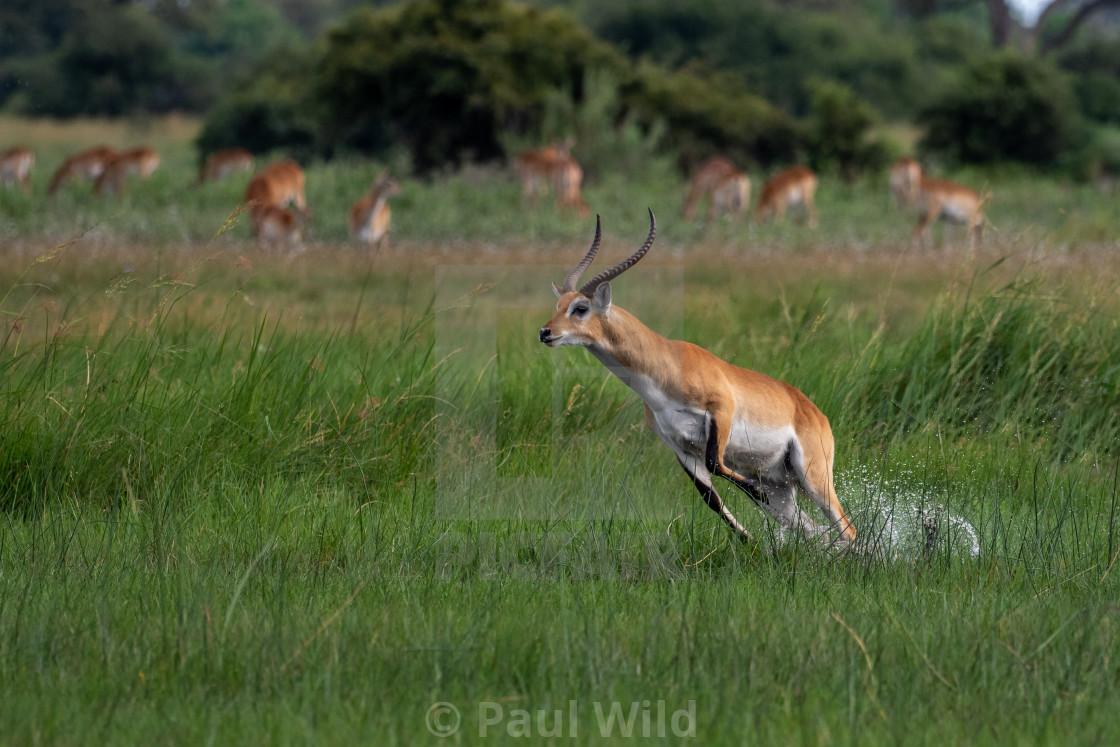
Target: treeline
[{"x": 446, "y": 81}]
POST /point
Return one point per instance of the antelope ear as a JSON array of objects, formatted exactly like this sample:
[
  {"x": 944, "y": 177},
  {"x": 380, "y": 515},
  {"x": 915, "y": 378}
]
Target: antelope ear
[
  {"x": 601, "y": 303},
  {"x": 556, "y": 290}
]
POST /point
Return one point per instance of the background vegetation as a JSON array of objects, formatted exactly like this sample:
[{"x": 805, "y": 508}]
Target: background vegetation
[
  {"x": 454, "y": 81},
  {"x": 300, "y": 495}
]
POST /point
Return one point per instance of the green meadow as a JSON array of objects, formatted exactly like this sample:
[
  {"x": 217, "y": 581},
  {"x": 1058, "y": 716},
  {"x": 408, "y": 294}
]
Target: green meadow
[{"x": 319, "y": 496}]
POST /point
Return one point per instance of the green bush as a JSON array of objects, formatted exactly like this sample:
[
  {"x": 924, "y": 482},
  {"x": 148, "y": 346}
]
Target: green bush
[
  {"x": 774, "y": 49},
  {"x": 838, "y": 132},
  {"x": 713, "y": 114},
  {"x": 1004, "y": 108},
  {"x": 272, "y": 109},
  {"x": 1095, "y": 66},
  {"x": 446, "y": 77}
]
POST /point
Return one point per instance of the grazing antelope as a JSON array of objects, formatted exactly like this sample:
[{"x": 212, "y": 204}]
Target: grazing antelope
[
  {"x": 952, "y": 203},
  {"x": 728, "y": 190},
  {"x": 88, "y": 164},
  {"x": 535, "y": 167},
  {"x": 15, "y": 167},
  {"x": 280, "y": 225},
  {"x": 760, "y": 434},
  {"x": 567, "y": 177},
  {"x": 552, "y": 166},
  {"x": 223, "y": 163},
  {"x": 136, "y": 161},
  {"x": 278, "y": 185},
  {"x": 370, "y": 216},
  {"x": 795, "y": 186},
  {"x": 905, "y": 182}
]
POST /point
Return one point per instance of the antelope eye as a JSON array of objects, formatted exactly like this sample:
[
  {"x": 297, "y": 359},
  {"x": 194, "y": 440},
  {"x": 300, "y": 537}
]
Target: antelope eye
[{"x": 580, "y": 310}]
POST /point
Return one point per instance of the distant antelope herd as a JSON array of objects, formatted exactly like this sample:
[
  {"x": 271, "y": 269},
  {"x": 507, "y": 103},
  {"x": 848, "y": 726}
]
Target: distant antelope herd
[{"x": 279, "y": 214}]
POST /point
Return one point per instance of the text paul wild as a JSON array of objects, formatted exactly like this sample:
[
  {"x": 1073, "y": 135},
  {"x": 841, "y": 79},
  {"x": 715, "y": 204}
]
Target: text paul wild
[{"x": 638, "y": 719}]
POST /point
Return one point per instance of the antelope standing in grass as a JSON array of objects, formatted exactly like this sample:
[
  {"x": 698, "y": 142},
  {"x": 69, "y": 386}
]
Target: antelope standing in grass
[
  {"x": 88, "y": 164},
  {"x": 794, "y": 187},
  {"x": 276, "y": 224},
  {"x": 952, "y": 203},
  {"x": 370, "y": 216},
  {"x": 535, "y": 168},
  {"x": 760, "y": 434},
  {"x": 567, "y": 178},
  {"x": 552, "y": 166},
  {"x": 220, "y": 164},
  {"x": 728, "y": 190},
  {"x": 140, "y": 162},
  {"x": 905, "y": 182},
  {"x": 277, "y": 206},
  {"x": 15, "y": 167}
]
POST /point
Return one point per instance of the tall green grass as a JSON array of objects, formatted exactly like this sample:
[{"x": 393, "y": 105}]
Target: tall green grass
[
  {"x": 294, "y": 501},
  {"x": 250, "y": 497}
]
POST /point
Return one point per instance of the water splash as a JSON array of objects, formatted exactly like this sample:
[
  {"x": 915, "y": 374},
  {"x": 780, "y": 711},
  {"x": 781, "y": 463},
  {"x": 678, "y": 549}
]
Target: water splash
[{"x": 897, "y": 520}]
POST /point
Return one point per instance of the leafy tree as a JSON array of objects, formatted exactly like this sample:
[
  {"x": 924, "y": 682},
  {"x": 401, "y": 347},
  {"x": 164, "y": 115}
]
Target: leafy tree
[
  {"x": 448, "y": 79},
  {"x": 839, "y": 126},
  {"x": 1005, "y": 108},
  {"x": 272, "y": 108},
  {"x": 445, "y": 77},
  {"x": 776, "y": 49},
  {"x": 115, "y": 64}
]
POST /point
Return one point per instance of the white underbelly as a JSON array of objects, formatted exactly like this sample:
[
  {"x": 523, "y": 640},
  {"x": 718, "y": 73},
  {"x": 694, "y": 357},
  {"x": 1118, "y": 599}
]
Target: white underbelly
[
  {"x": 756, "y": 450},
  {"x": 954, "y": 213}
]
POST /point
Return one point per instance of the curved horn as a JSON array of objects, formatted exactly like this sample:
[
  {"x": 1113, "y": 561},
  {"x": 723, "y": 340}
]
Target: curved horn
[
  {"x": 589, "y": 287},
  {"x": 573, "y": 276}
]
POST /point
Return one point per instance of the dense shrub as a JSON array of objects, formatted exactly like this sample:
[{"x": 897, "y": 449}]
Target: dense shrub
[
  {"x": 776, "y": 50},
  {"x": 838, "y": 132},
  {"x": 272, "y": 109},
  {"x": 461, "y": 80},
  {"x": 445, "y": 78},
  {"x": 1095, "y": 66},
  {"x": 713, "y": 114},
  {"x": 1004, "y": 108}
]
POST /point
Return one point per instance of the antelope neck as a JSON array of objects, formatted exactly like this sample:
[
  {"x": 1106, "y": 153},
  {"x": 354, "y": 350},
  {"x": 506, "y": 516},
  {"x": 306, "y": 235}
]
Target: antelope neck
[{"x": 629, "y": 348}]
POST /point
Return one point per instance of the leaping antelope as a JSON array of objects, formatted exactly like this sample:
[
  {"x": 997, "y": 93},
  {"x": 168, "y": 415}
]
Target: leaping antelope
[{"x": 760, "y": 434}]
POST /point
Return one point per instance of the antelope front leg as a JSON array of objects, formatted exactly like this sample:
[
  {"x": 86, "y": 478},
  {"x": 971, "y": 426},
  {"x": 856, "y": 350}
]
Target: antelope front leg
[{"x": 702, "y": 479}]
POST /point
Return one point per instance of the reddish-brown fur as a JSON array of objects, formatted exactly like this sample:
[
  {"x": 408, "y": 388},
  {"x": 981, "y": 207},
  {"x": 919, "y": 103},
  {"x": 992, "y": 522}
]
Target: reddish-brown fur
[
  {"x": 726, "y": 188},
  {"x": 276, "y": 186},
  {"x": 141, "y": 162},
  {"x": 370, "y": 216},
  {"x": 684, "y": 385},
  {"x": 88, "y": 164},
  {"x": 795, "y": 185},
  {"x": 223, "y": 163},
  {"x": 15, "y": 167},
  {"x": 905, "y": 182},
  {"x": 552, "y": 166},
  {"x": 951, "y": 202}
]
